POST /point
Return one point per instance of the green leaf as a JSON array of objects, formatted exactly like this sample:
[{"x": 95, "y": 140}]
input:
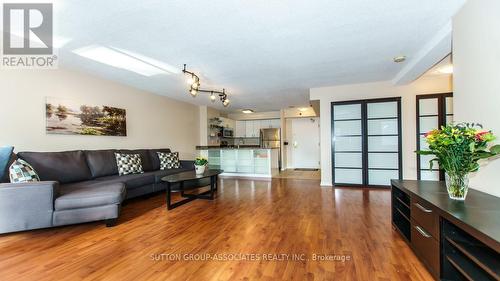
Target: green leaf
[
  {"x": 483, "y": 155},
  {"x": 431, "y": 163},
  {"x": 495, "y": 149},
  {"x": 424, "y": 152},
  {"x": 472, "y": 146}
]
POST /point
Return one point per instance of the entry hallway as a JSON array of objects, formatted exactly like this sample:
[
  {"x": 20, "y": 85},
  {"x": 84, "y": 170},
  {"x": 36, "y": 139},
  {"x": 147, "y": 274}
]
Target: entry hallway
[{"x": 273, "y": 219}]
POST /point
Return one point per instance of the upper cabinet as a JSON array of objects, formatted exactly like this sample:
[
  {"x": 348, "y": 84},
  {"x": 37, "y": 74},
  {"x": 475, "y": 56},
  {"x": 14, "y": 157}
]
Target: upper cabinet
[
  {"x": 251, "y": 128},
  {"x": 240, "y": 130},
  {"x": 275, "y": 123},
  {"x": 256, "y": 129},
  {"x": 264, "y": 124}
]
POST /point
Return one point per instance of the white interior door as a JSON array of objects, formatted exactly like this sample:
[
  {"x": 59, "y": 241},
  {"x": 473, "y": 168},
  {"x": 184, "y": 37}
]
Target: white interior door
[{"x": 305, "y": 143}]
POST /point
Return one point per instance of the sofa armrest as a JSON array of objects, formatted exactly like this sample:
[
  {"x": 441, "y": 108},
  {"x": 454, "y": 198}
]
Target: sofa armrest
[
  {"x": 188, "y": 164},
  {"x": 26, "y": 206}
]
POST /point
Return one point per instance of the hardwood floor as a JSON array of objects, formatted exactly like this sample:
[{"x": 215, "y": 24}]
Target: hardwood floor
[{"x": 278, "y": 217}]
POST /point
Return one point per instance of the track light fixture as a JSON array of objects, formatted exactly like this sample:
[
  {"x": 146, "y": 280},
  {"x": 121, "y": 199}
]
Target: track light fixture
[{"x": 194, "y": 81}]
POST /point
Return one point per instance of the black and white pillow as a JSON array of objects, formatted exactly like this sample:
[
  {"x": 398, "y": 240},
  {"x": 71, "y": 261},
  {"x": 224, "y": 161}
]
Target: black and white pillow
[
  {"x": 21, "y": 171},
  {"x": 169, "y": 160},
  {"x": 129, "y": 164}
]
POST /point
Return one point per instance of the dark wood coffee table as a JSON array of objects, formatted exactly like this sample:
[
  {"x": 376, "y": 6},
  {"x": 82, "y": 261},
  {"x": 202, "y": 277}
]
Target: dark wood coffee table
[{"x": 189, "y": 181}]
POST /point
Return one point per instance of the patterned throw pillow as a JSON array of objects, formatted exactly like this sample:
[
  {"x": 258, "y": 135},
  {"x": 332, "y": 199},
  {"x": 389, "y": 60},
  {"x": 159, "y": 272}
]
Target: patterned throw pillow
[
  {"x": 169, "y": 160},
  {"x": 21, "y": 171},
  {"x": 129, "y": 164}
]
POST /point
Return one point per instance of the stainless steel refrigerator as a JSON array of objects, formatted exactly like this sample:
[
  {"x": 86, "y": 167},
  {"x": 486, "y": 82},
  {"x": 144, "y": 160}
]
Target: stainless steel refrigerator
[{"x": 271, "y": 138}]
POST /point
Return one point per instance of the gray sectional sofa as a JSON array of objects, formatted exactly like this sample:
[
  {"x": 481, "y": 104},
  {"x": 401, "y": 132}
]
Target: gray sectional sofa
[{"x": 76, "y": 187}]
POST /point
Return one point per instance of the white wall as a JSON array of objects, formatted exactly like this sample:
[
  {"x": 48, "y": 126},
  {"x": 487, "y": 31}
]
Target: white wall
[
  {"x": 327, "y": 95},
  {"x": 152, "y": 121},
  {"x": 202, "y": 110},
  {"x": 296, "y": 113},
  {"x": 206, "y": 113},
  {"x": 287, "y": 132},
  {"x": 476, "y": 59}
]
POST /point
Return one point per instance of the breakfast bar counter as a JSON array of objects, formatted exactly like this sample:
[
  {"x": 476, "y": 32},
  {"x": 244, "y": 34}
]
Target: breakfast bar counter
[{"x": 244, "y": 161}]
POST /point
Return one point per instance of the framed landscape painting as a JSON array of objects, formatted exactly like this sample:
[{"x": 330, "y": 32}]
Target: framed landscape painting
[{"x": 75, "y": 118}]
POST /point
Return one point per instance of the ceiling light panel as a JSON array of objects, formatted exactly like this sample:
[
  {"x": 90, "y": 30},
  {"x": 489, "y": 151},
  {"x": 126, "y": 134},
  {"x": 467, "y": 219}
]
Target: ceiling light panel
[
  {"x": 119, "y": 59},
  {"x": 161, "y": 65}
]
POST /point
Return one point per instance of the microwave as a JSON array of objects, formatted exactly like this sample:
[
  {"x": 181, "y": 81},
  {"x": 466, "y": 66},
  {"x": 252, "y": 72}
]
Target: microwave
[{"x": 227, "y": 133}]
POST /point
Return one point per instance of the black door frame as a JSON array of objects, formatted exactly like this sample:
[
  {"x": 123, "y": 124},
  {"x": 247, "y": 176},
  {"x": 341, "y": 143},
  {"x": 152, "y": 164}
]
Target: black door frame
[
  {"x": 441, "y": 97},
  {"x": 364, "y": 139}
]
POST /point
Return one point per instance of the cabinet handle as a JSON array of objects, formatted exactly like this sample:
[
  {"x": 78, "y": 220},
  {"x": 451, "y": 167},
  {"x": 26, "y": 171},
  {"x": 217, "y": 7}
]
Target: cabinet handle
[
  {"x": 422, "y": 232},
  {"x": 422, "y": 208}
]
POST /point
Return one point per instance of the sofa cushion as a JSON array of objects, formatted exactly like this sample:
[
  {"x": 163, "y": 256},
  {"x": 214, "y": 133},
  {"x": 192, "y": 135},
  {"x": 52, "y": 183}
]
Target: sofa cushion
[
  {"x": 162, "y": 173},
  {"x": 128, "y": 164},
  {"x": 153, "y": 155},
  {"x": 101, "y": 162},
  {"x": 169, "y": 160},
  {"x": 145, "y": 158},
  {"x": 64, "y": 167},
  {"x": 5, "y": 157},
  {"x": 21, "y": 171},
  {"x": 130, "y": 181},
  {"x": 85, "y": 195}
]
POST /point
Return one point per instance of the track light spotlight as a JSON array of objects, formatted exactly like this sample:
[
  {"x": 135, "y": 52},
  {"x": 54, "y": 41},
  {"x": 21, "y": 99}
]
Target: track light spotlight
[{"x": 194, "y": 81}]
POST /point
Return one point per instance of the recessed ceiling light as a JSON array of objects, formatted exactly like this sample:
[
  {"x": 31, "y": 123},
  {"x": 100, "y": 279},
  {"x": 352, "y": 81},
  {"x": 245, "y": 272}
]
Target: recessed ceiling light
[
  {"x": 302, "y": 109},
  {"x": 399, "y": 59},
  {"x": 247, "y": 111},
  {"x": 120, "y": 59},
  {"x": 447, "y": 69}
]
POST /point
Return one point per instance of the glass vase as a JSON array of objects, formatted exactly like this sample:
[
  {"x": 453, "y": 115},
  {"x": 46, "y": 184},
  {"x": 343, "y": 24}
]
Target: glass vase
[{"x": 457, "y": 185}]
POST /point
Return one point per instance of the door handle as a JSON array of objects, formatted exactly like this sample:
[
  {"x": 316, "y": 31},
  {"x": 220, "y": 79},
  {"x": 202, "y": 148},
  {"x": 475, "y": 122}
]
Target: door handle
[
  {"x": 422, "y": 208},
  {"x": 422, "y": 232}
]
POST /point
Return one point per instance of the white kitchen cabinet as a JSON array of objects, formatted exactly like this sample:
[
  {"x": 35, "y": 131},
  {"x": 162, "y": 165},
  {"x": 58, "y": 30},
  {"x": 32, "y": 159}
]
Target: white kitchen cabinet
[
  {"x": 275, "y": 123},
  {"x": 252, "y": 128},
  {"x": 256, "y": 129},
  {"x": 270, "y": 123},
  {"x": 248, "y": 129},
  {"x": 265, "y": 124},
  {"x": 240, "y": 130}
]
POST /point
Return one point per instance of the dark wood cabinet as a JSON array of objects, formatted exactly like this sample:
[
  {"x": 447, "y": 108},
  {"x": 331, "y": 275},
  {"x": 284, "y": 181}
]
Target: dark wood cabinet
[
  {"x": 425, "y": 215},
  {"x": 426, "y": 247},
  {"x": 454, "y": 240}
]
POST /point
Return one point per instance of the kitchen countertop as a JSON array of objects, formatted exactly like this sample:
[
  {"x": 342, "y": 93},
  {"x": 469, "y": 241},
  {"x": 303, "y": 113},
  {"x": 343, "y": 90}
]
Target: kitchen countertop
[{"x": 230, "y": 147}]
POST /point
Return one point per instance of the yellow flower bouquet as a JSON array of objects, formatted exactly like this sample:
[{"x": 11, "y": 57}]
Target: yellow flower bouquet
[{"x": 457, "y": 149}]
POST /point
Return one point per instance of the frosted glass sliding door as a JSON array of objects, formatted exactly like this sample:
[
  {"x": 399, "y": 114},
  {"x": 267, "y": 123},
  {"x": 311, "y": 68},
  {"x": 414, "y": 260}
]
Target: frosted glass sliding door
[
  {"x": 347, "y": 144},
  {"x": 366, "y": 142},
  {"x": 433, "y": 111},
  {"x": 383, "y": 142}
]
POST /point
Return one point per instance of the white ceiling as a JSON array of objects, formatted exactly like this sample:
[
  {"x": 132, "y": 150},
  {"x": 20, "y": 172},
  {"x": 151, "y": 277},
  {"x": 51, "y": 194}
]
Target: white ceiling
[{"x": 267, "y": 54}]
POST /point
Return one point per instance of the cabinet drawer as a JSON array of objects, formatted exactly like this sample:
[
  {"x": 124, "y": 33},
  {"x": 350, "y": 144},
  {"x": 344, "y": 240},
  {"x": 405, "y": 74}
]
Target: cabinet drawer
[
  {"x": 425, "y": 216},
  {"x": 425, "y": 247}
]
